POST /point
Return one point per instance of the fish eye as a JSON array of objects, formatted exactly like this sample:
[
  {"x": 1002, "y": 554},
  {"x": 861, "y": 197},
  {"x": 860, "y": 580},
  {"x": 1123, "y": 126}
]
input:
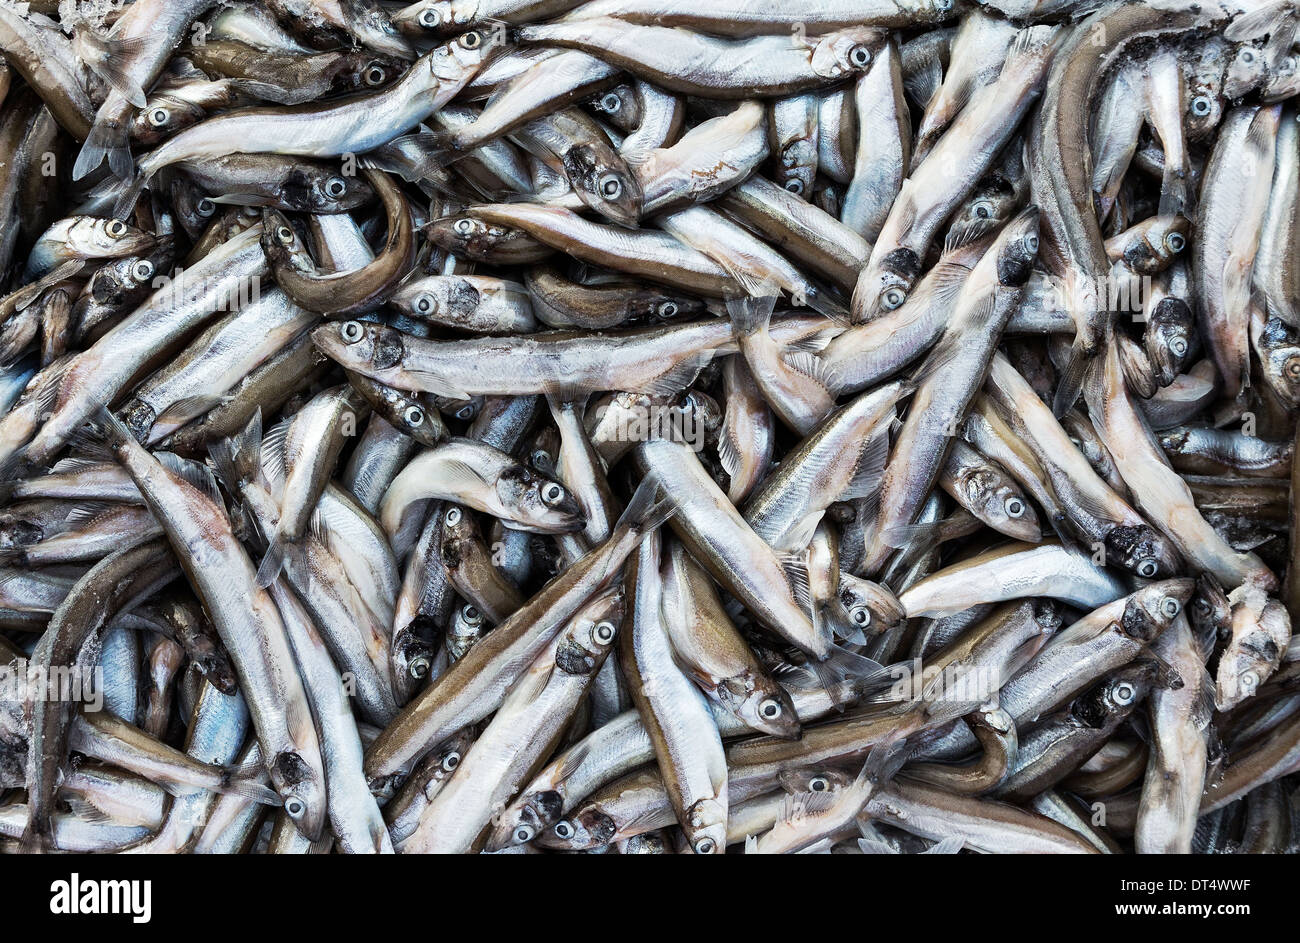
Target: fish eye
[
  {"x": 335, "y": 187},
  {"x": 451, "y": 761},
  {"x": 472, "y": 40},
  {"x": 1031, "y": 242},
  {"x": 1124, "y": 694},
  {"x": 1014, "y": 507},
  {"x": 1247, "y": 55},
  {"x": 611, "y": 103},
  {"x": 374, "y": 75},
  {"x": 668, "y": 309},
  {"x": 115, "y": 228},
  {"x": 294, "y": 807},
  {"x": 158, "y": 117},
  {"x": 523, "y": 834},
  {"x": 471, "y": 615},
  {"x": 1178, "y": 346},
  {"x": 429, "y": 18},
  {"x": 860, "y": 616},
  {"x": 1169, "y": 607},
  {"x": 603, "y": 632},
  {"x": 611, "y": 188},
  {"x": 860, "y": 56},
  {"x": 893, "y": 298},
  {"x": 418, "y": 667},
  {"x": 1175, "y": 242},
  {"x": 1201, "y": 106},
  {"x": 943, "y": 4},
  {"x": 1201, "y": 605},
  {"x": 452, "y": 517},
  {"x": 205, "y": 207},
  {"x": 463, "y": 226},
  {"x": 794, "y": 185},
  {"x": 351, "y": 331},
  {"x": 983, "y": 209},
  {"x": 563, "y": 830},
  {"x": 284, "y": 234},
  {"x": 553, "y": 494},
  {"x": 413, "y": 416},
  {"x": 424, "y": 303},
  {"x": 770, "y": 709},
  {"x": 819, "y": 784},
  {"x": 1147, "y": 569},
  {"x": 466, "y": 412},
  {"x": 1249, "y": 680},
  {"x": 1293, "y": 368},
  {"x": 705, "y": 846},
  {"x": 142, "y": 271}
]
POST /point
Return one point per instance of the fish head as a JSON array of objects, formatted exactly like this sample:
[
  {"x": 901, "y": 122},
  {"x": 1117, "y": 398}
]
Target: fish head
[
  {"x": 1279, "y": 348},
  {"x": 762, "y": 704},
  {"x": 1152, "y": 609},
  {"x": 1171, "y": 338},
  {"x": 1209, "y": 611},
  {"x": 1115, "y": 695},
  {"x": 360, "y": 345},
  {"x": 884, "y": 285},
  {"x": 308, "y": 188},
  {"x": 303, "y": 791},
  {"x": 435, "y": 17},
  {"x": 465, "y": 55},
  {"x": 369, "y": 70},
  {"x": 539, "y": 502},
  {"x": 440, "y": 297},
  {"x": 283, "y": 245},
  {"x": 1017, "y": 248},
  {"x": 466, "y": 235},
  {"x": 706, "y": 827},
  {"x": 604, "y": 180},
  {"x": 587, "y": 638},
  {"x": 529, "y": 816},
  {"x": 1261, "y": 629},
  {"x": 862, "y": 607},
  {"x": 847, "y": 51},
  {"x": 621, "y": 106},
  {"x": 1142, "y": 551},
  {"x": 162, "y": 117},
  {"x": 1246, "y": 70},
  {"x": 93, "y": 237},
  {"x": 584, "y": 829}
]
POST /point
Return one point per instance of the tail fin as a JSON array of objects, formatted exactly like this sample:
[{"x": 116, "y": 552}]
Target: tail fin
[
  {"x": 750, "y": 315},
  {"x": 272, "y": 561},
  {"x": 841, "y": 666},
  {"x": 647, "y": 510},
  {"x": 107, "y": 139}
]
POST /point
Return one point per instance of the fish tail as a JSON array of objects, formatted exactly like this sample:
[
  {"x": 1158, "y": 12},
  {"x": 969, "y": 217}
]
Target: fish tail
[
  {"x": 846, "y": 675},
  {"x": 107, "y": 140},
  {"x": 272, "y": 561},
  {"x": 750, "y": 315},
  {"x": 1071, "y": 381},
  {"x": 647, "y": 509}
]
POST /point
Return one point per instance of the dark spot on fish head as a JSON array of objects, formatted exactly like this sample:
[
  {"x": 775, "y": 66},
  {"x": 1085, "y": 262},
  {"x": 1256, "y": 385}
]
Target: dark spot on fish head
[
  {"x": 1138, "y": 548},
  {"x": 388, "y": 348},
  {"x": 904, "y": 263},
  {"x": 462, "y": 298},
  {"x": 1016, "y": 263},
  {"x": 573, "y": 659},
  {"x": 1139, "y": 257},
  {"x": 290, "y": 769},
  {"x": 16, "y": 533},
  {"x": 589, "y": 829},
  {"x": 1136, "y": 622},
  {"x": 1174, "y": 440}
]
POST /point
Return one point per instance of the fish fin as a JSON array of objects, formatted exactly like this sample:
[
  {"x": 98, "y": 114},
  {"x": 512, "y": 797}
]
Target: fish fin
[
  {"x": 751, "y": 845},
  {"x": 750, "y": 314},
  {"x": 84, "y": 514},
  {"x": 729, "y": 456},
  {"x": 87, "y": 811},
  {"x": 680, "y": 376},
  {"x": 1262, "y": 21},
  {"x": 647, "y": 509},
  {"x": 811, "y": 366},
  {"x": 802, "y": 805},
  {"x": 271, "y": 452},
  {"x": 107, "y": 139},
  {"x": 106, "y": 56},
  {"x": 250, "y": 788},
  {"x": 871, "y": 467},
  {"x": 910, "y": 537},
  {"x": 572, "y": 761},
  {"x": 240, "y": 199},
  {"x": 923, "y": 84},
  {"x": 273, "y": 560},
  {"x": 822, "y": 302},
  {"x": 437, "y": 386},
  {"x": 875, "y": 846},
  {"x": 185, "y": 409},
  {"x": 949, "y": 277},
  {"x": 947, "y": 846},
  {"x": 843, "y": 666},
  {"x": 268, "y": 91},
  {"x": 1070, "y": 383},
  {"x": 124, "y": 205},
  {"x": 193, "y": 473},
  {"x": 795, "y": 567}
]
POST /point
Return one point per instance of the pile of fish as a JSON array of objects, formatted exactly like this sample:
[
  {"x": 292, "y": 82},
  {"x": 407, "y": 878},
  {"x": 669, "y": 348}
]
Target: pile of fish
[{"x": 649, "y": 426}]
